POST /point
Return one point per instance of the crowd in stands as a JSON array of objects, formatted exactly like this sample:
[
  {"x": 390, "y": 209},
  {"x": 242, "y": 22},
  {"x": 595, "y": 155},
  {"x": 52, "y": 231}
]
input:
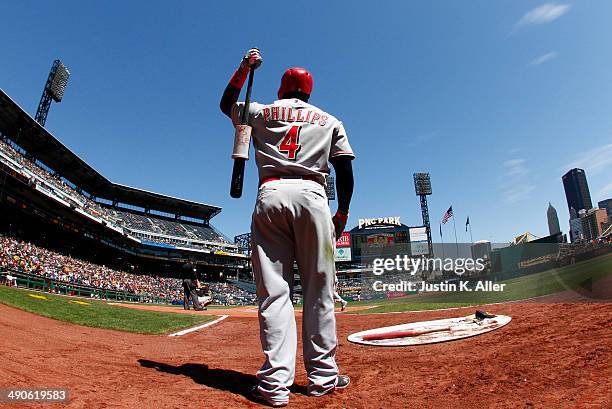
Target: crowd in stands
[
  {"x": 36, "y": 173},
  {"x": 26, "y": 257},
  {"x": 349, "y": 287},
  {"x": 228, "y": 294},
  {"x": 21, "y": 256},
  {"x": 159, "y": 229},
  {"x": 348, "y": 283}
]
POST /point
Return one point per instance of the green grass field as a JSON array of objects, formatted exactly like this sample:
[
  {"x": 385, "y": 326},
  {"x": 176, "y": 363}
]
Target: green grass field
[
  {"x": 101, "y": 315},
  {"x": 97, "y": 313},
  {"x": 529, "y": 286}
]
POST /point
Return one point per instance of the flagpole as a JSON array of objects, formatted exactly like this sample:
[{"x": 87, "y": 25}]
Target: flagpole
[
  {"x": 471, "y": 238},
  {"x": 442, "y": 239},
  {"x": 456, "y": 242}
]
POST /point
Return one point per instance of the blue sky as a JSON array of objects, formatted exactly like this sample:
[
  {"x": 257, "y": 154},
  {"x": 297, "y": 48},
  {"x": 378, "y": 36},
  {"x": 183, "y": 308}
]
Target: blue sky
[{"x": 495, "y": 99}]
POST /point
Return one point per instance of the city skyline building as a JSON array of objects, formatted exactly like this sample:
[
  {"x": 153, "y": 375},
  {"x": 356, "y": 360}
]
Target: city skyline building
[
  {"x": 575, "y": 230},
  {"x": 606, "y": 204},
  {"x": 593, "y": 222},
  {"x": 577, "y": 191},
  {"x": 553, "y": 220},
  {"x": 481, "y": 249}
]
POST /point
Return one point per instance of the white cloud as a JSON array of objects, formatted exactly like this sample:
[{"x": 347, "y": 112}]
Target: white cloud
[
  {"x": 516, "y": 167},
  {"x": 544, "y": 58},
  {"x": 543, "y": 14},
  {"x": 593, "y": 161},
  {"x": 518, "y": 193},
  {"x": 516, "y": 187},
  {"x": 605, "y": 193}
]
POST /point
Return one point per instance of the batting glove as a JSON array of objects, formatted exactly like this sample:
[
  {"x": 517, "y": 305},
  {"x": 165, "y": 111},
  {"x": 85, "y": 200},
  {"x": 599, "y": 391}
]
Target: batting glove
[
  {"x": 252, "y": 59},
  {"x": 339, "y": 221}
]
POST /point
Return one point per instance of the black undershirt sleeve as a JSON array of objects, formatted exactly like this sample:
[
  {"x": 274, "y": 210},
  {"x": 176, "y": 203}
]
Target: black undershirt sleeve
[
  {"x": 344, "y": 181},
  {"x": 229, "y": 98}
]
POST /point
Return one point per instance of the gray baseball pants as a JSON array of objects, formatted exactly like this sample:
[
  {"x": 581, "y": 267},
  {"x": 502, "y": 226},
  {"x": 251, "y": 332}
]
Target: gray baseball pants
[{"x": 292, "y": 221}]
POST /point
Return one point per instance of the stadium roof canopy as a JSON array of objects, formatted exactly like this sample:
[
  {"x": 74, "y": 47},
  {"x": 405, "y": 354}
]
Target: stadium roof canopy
[{"x": 21, "y": 128}]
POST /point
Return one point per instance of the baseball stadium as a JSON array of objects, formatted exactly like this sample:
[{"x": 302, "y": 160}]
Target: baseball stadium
[
  {"x": 92, "y": 271},
  {"x": 116, "y": 296}
]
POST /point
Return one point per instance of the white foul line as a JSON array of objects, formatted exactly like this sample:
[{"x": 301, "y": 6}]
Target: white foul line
[
  {"x": 192, "y": 329},
  {"x": 456, "y": 308}
]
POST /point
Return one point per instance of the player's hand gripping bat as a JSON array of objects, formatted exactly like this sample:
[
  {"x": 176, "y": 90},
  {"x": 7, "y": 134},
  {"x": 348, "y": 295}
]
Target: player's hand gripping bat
[{"x": 242, "y": 141}]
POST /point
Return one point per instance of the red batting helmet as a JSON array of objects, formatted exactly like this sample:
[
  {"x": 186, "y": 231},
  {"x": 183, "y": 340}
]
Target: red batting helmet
[{"x": 295, "y": 79}]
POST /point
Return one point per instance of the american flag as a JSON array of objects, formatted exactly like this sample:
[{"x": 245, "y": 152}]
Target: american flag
[{"x": 447, "y": 215}]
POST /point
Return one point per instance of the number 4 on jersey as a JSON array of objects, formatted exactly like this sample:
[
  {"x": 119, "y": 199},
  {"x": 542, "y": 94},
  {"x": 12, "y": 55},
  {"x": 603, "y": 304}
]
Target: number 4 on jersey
[{"x": 291, "y": 142}]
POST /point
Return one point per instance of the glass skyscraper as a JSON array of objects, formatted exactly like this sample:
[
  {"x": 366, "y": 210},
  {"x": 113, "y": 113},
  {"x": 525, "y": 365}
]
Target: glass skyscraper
[{"x": 577, "y": 190}]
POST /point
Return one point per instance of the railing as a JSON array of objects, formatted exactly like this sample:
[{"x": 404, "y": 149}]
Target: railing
[{"x": 36, "y": 282}]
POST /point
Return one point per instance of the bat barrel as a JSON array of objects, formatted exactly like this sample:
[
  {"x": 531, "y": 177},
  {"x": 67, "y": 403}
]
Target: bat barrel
[
  {"x": 237, "y": 179},
  {"x": 402, "y": 334}
]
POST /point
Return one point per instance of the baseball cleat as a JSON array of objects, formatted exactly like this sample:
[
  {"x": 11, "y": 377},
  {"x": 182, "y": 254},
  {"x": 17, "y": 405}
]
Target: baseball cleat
[
  {"x": 344, "y": 304},
  {"x": 343, "y": 382},
  {"x": 258, "y": 397}
]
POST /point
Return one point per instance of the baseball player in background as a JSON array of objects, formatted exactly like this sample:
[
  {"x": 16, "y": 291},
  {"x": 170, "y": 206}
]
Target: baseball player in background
[
  {"x": 204, "y": 295},
  {"x": 337, "y": 298},
  {"x": 294, "y": 142},
  {"x": 190, "y": 285}
]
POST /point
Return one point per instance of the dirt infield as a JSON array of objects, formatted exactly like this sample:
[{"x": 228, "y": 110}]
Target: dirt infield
[
  {"x": 247, "y": 311},
  {"x": 550, "y": 355}
]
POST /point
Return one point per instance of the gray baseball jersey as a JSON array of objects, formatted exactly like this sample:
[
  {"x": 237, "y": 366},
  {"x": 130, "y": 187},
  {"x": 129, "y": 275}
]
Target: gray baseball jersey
[
  {"x": 293, "y": 138},
  {"x": 292, "y": 222}
]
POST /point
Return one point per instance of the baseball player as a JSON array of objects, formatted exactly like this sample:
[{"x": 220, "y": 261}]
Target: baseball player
[
  {"x": 294, "y": 141},
  {"x": 204, "y": 295},
  {"x": 337, "y": 298},
  {"x": 343, "y": 302},
  {"x": 190, "y": 284}
]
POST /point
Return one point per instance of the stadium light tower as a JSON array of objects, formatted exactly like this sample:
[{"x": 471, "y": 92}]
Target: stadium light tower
[
  {"x": 422, "y": 186},
  {"x": 54, "y": 90}
]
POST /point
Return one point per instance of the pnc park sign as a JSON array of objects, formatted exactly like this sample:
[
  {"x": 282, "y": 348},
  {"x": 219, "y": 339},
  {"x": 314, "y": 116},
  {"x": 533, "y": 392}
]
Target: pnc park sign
[{"x": 392, "y": 221}]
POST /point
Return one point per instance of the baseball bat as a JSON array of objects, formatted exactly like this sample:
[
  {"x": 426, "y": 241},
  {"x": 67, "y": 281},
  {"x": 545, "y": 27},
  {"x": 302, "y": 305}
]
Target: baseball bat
[
  {"x": 238, "y": 171},
  {"x": 402, "y": 334}
]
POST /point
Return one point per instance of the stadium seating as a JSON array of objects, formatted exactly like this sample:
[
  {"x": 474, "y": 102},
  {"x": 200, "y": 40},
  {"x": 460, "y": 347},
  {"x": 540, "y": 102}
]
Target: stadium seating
[
  {"x": 26, "y": 257},
  {"x": 147, "y": 227},
  {"x": 229, "y": 294},
  {"x": 170, "y": 229}
]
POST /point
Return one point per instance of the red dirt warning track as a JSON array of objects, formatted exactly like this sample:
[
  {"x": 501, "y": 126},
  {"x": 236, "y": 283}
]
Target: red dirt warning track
[{"x": 550, "y": 355}]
